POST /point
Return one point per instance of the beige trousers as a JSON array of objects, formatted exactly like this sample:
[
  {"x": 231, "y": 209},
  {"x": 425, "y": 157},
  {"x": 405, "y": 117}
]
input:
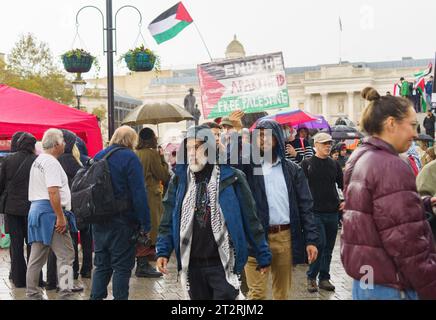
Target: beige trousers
[{"x": 280, "y": 269}]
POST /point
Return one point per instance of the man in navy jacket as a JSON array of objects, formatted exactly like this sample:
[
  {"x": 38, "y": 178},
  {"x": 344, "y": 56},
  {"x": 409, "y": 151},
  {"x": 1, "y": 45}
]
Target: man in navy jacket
[{"x": 284, "y": 204}]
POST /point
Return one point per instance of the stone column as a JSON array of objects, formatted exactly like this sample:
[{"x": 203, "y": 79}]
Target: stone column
[
  {"x": 350, "y": 105},
  {"x": 307, "y": 104},
  {"x": 324, "y": 97}
]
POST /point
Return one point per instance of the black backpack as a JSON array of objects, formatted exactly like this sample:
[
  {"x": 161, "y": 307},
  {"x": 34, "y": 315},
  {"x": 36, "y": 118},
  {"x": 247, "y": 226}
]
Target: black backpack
[{"x": 92, "y": 195}]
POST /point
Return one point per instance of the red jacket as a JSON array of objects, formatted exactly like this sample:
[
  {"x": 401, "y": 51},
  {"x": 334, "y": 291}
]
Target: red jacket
[{"x": 384, "y": 224}]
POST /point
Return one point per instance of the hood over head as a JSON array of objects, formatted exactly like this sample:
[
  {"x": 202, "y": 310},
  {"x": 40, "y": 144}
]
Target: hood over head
[
  {"x": 277, "y": 132},
  {"x": 203, "y": 133},
  {"x": 70, "y": 140}
]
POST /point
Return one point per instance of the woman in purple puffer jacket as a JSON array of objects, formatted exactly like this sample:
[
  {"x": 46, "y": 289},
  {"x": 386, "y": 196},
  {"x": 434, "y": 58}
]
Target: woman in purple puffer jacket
[{"x": 387, "y": 246}]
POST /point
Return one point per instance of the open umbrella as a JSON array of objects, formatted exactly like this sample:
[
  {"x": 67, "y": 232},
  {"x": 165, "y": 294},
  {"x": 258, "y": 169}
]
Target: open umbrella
[
  {"x": 341, "y": 132},
  {"x": 319, "y": 123},
  {"x": 155, "y": 113},
  {"x": 424, "y": 137},
  {"x": 292, "y": 118}
]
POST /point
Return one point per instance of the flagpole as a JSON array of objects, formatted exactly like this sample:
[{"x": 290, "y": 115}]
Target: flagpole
[
  {"x": 204, "y": 43},
  {"x": 340, "y": 40}
]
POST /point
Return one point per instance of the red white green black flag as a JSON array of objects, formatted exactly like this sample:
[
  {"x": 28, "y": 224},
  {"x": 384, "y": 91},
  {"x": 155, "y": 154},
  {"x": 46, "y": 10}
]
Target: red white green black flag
[{"x": 170, "y": 23}]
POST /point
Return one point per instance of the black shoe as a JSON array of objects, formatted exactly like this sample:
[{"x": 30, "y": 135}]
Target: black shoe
[
  {"x": 19, "y": 285},
  {"x": 312, "y": 286},
  {"x": 326, "y": 285},
  {"x": 86, "y": 274},
  {"x": 145, "y": 270}
]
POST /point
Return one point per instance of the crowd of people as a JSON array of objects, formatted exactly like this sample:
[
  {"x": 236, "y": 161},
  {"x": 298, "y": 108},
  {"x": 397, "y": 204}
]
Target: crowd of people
[{"x": 234, "y": 208}]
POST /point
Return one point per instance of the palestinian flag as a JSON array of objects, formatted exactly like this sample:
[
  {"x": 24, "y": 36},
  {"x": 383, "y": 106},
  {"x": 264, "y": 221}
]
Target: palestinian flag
[
  {"x": 420, "y": 87},
  {"x": 425, "y": 72},
  {"x": 420, "y": 84},
  {"x": 170, "y": 23}
]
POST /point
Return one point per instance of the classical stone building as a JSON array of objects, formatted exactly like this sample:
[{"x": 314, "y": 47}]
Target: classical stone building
[{"x": 332, "y": 90}]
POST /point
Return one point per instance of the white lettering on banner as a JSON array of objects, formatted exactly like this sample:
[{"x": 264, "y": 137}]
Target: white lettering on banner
[
  {"x": 252, "y": 102},
  {"x": 253, "y": 84},
  {"x": 268, "y": 64}
]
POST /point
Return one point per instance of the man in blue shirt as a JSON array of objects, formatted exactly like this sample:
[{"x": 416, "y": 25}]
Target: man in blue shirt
[
  {"x": 115, "y": 240},
  {"x": 284, "y": 204}
]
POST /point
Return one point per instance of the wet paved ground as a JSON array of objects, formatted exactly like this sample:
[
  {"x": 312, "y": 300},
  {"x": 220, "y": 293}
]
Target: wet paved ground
[{"x": 168, "y": 288}]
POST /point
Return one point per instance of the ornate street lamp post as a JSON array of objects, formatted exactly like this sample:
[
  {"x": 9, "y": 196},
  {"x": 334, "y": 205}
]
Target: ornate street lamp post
[{"x": 109, "y": 51}]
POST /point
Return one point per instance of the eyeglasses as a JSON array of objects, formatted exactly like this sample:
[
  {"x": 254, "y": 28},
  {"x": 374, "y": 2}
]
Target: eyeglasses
[{"x": 327, "y": 143}]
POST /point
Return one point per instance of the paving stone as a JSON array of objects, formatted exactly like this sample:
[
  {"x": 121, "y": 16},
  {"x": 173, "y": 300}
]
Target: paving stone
[{"x": 169, "y": 286}]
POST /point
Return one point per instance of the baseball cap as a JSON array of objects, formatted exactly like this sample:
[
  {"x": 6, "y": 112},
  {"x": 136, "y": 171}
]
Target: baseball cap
[
  {"x": 226, "y": 121},
  {"x": 322, "y": 137}
]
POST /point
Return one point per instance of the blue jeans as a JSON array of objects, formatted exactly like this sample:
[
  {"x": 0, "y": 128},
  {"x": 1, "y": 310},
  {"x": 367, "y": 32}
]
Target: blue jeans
[
  {"x": 114, "y": 254},
  {"x": 327, "y": 225},
  {"x": 381, "y": 293}
]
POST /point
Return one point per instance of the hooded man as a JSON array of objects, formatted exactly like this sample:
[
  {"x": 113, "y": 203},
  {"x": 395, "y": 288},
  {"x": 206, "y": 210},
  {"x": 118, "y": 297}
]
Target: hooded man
[
  {"x": 209, "y": 217},
  {"x": 284, "y": 204}
]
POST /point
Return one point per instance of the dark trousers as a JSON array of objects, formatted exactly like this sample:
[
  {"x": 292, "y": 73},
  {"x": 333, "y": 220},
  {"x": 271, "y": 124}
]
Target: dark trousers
[
  {"x": 327, "y": 224},
  {"x": 16, "y": 226},
  {"x": 114, "y": 256},
  {"x": 209, "y": 283},
  {"x": 86, "y": 243},
  {"x": 52, "y": 277}
]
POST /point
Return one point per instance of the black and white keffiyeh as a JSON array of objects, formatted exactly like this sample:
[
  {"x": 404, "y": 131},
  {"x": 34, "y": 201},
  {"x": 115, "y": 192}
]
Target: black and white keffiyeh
[{"x": 219, "y": 229}]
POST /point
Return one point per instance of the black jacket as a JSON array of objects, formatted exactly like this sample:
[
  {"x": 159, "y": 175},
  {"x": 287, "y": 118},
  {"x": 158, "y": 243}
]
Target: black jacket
[
  {"x": 303, "y": 229},
  {"x": 67, "y": 161},
  {"x": 17, "y": 201}
]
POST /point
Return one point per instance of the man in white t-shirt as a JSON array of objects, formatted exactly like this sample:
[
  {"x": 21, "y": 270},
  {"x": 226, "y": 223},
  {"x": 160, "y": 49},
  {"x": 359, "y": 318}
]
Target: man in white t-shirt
[{"x": 47, "y": 222}]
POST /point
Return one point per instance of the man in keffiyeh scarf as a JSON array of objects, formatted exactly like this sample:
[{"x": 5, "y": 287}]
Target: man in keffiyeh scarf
[{"x": 209, "y": 220}]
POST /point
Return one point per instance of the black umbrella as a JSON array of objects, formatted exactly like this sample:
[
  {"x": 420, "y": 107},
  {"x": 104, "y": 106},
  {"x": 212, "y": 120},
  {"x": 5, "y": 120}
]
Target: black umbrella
[
  {"x": 424, "y": 137},
  {"x": 341, "y": 132}
]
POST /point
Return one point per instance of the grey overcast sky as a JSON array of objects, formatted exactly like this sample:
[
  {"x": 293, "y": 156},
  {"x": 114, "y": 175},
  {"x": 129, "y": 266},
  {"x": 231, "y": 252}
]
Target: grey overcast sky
[{"x": 307, "y": 32}]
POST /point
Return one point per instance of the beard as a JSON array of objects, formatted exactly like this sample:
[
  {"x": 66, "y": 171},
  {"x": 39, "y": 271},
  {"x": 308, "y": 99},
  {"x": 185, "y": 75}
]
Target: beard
[{"x": 198, "y": 165}]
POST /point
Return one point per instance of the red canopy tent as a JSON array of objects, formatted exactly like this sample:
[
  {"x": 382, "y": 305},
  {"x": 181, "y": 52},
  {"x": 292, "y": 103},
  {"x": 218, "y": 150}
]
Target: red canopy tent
[{"x": 25, "y": 111}]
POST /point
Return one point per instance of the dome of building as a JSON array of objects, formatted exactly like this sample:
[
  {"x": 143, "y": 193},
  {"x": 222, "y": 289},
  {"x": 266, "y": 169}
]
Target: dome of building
[{"x": 235, "y": 49}]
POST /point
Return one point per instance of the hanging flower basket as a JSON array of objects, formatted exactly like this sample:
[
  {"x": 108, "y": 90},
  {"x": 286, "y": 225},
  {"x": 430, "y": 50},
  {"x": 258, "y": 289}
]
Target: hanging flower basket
[
  {"x": 141, "y": 59},
  {"x": 78, "y": 61}
]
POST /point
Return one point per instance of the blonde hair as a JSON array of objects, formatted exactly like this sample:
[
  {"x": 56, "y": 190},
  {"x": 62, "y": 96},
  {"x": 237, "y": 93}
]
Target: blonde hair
[
  {"x": 124, "y": 136},
  {"x": 76, "y": 154}
]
